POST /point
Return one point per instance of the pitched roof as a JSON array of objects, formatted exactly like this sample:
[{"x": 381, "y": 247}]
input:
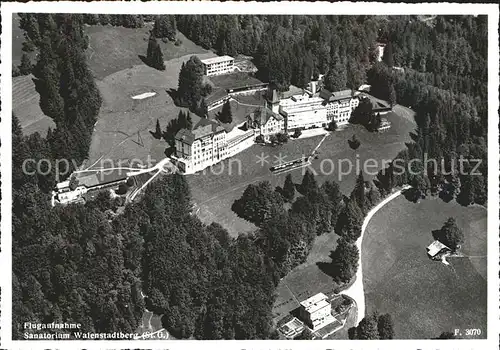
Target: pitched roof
[
  {"x": 208, "y": 122},
  {"x": 201, "y": 129},
  {"x": 335, "y": 96},
  {"x": 435, "y": 247},
  {"x": 216, "y": 96},
  {"x": 261, "y": 115},
  {"x": 272, "y": 95},
  {"x": 185, "y": 136}
]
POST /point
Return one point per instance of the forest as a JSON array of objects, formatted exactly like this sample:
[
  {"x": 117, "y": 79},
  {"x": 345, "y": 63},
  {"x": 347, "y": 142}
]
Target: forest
[
  {"x": 442, "y": 75},
  {"x": 75, "y": 263}
]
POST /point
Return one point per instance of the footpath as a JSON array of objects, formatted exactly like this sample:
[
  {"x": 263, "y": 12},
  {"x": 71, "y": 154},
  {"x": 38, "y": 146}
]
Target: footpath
[{"x": 356, "y": 290}]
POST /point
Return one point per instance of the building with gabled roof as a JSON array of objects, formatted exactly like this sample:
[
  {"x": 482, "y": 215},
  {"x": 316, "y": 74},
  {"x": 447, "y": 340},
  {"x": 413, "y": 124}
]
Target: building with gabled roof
[
  {"x": 339, "y": 104},
  {"x": 265, "y": 122},
  {"x": 208, "y": 143},
  {"x": 436, "y": 249}
]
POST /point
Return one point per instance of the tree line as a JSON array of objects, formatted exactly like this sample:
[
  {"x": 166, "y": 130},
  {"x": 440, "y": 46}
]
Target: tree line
[
  {"x": 450, "y": 130},
  {"x": 287, "y": 235},
  {"x": 74, "y": 262},
  {"x": 449, "y": 96},
  {"x": 164, "y": 28},
  {"x": 68, "y": 93},
  {"x": 69, "y": 262},
  {"x": 291, "y": 49}
]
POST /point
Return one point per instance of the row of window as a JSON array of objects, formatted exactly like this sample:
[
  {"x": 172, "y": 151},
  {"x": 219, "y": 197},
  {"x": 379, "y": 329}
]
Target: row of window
[{"x": 222, "y": 63}]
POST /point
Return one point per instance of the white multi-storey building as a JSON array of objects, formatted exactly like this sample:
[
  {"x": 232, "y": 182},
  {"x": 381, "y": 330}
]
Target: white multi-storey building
[
  {"x": 316, "y": 312},
  {"x": 207, "y": 144},
  {"x": 303, "y": 112},
  {"x": 339, "y": 105},
  {"x": 218, "y": 65}
]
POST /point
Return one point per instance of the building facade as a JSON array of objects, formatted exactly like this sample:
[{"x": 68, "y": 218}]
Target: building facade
[
  {"x": 218, "y": 65},
  {"x": 200, "y": 147},
  {"x": 207, "y": 144},
  {"x": 316, "y": 312},
  {"x": 93, "y": 181},
  {"x": 265, "y": 122},
  {"x": 303, "y": 112},
  {"x": 339, "y": 105}
]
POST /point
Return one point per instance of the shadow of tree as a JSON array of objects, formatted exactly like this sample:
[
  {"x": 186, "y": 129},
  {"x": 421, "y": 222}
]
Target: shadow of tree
[
  {"x": 155, "y": 135},
  {"x": 144, "y": 60},
  {"x": 436, "y": 234},
  {"x": 412, "y": 195},
  {"x": 328, "y": 268},
  {"x": 174, "y": 95},
  {"x": 354, "y": 144}
]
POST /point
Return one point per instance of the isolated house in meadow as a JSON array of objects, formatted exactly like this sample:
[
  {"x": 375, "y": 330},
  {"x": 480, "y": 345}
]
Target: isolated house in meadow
[{"x": 436, "y": 250}]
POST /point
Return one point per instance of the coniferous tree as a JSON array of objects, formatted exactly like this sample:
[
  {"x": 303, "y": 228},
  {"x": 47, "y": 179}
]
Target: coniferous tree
[
  {"x": 388, "y": 57},
  {"x": 25, "y": 66},
  {"x": 158, "y": 132},
  {"x": 189, "y": 121},
  {"x": 182, "y": 120},
  {"x": 226, "y": 115},
  {"x": 28, "y": 22},
  {"x": 392, "y": 95},
  {"x": 345, "y": 260},
  {"x": 385, "y": 327},
  {"x": 332, "y": 126},
  {"x": 165, "y": 27},
  {"x": 358, "y": 193},
  {"x": 350, "y": 221},
  {"x": 288, "y": 188},
  {"x": 367, "y": 328},
  {"x": 332, "y": 192},
  {"x": 190, "y": 82},
  {"x": 336, "y": 78},
  {"x": 451, "y": 235},
  {"x": 309, "y": 186},
  {"x": 154, "y": 53},
  {"x": 354, "y": 143}
]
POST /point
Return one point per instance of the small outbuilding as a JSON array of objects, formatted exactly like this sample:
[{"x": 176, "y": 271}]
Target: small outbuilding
[{"x": 436, "y": 250}]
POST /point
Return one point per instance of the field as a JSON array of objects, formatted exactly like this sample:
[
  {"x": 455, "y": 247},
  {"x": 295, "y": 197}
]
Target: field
[
  {"x": 112, "y": 49},
  {"x": 215, "y": 190},
  {"x": 306, "y": 279},
  {"x": 122, "y": 131},
  {"x": 425, "y": 297},
  {"x": 25, "y": 104},
  {"x": 113, "y": 57}
]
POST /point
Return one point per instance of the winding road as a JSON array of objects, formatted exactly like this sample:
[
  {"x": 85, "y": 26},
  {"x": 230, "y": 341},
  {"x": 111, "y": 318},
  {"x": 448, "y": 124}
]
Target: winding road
[{"x": 356, "y": 290}]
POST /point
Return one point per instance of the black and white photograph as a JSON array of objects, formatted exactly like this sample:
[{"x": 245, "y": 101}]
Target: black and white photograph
[{"x": 180, "y": 172}]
